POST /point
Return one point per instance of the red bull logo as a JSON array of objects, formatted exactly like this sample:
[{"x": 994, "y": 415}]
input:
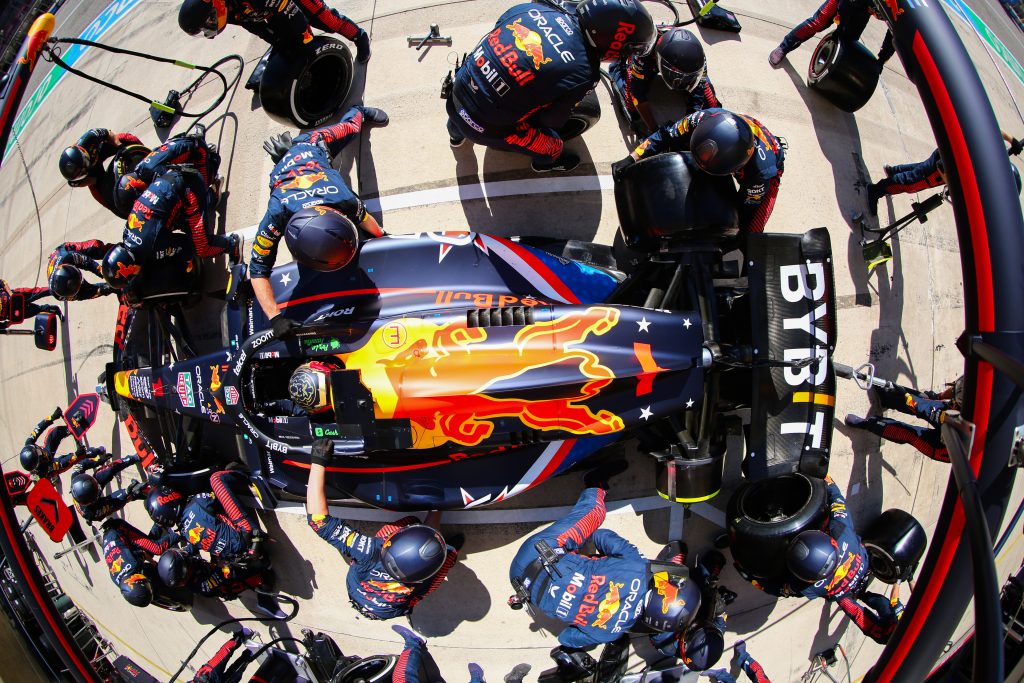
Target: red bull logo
[
  {"x": 195, "y": 534},
  {"x": 134, "y": 222},
  {"x": 125, "y": 272},
  {"x": 529, "y": 42},
  {"x": 668, "y": 591},
  {"x": 842, "y": 571},
  {"x": 304, "y": 182},
  {"x": 609, "y": 605},
  {"x": 393, "y": 587},
  {"x": 115, "y": 565},
  {"x": 439, "y": 377}
]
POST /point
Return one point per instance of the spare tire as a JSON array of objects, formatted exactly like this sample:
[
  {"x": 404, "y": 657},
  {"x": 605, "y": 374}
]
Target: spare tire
[
  {"x": 844, "y": 72},
  {"x": 665, "y": 200},
  {"x": 895, "y": 543},
  {"x": 584, "y": 116},
  {"x": 307, "y": 91},
  {"x": 762, "y": 516}
]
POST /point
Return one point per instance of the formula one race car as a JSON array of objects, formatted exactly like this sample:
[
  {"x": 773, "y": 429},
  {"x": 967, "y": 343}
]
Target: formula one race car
[{"x": 473, "y": 367}]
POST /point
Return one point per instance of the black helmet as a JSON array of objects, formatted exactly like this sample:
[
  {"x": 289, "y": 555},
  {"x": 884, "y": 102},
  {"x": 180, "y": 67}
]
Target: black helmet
[
  {"x": 321, "y": 238},
  {"x": 65, "y": 281},
  {"x": 74, "y": 163},
  {"x": 681, "y": 59},
  {"x": 85, "y": 489},
  {"x": 812, "y": 556},
  {"x": 164, "y": 505},
  {"x": 671, "y": 602},
  {"x": 414, "y": 553},
  {"x": 310, "y": 385},
  {"x": 722, "y": 143},
  {"x": 617, "y": 28},
  {"x": 208, "y": 16},
  {"x": 129, "y": 187},
  {"x": 702, "y": 647},
  {"x": 119, "y": 266},
  {"x": 35, "y": 458},
  {"x": 175, "y": 567},
  {"x": 1016, "y": 176},
  {"x": 137, "y": 590}
]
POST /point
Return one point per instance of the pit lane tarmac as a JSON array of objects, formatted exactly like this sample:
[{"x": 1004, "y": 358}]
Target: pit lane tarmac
[{"x": 904, "y": 317}]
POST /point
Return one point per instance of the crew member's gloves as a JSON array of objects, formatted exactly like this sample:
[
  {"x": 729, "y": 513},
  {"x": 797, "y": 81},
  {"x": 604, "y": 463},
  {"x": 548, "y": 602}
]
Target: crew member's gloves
[
  {"x": 134, "y": 459},
  {"x": 56, "y": 414},
  {"x": 619, "y": 166},
  {"x": 284, "y": 327},
  {"x": 278, "y": 145},
  {"x": 1016, "y": 147},
  {"x": 573, "y": 664},
  {"x": 322, "y": 452},
  {"x": 135, "y": 490}
]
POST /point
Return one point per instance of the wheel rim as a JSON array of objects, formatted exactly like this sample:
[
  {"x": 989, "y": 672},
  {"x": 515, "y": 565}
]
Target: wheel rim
[
  {"x": 320, "y": 89},
  {"x": 786, "y": 496},
  {"x": 823, "y": 57}
]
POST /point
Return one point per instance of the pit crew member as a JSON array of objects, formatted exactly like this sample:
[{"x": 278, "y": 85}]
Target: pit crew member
[
  {"x": 853, "y": 19},
  {"x": 42, "y": 461},
  {"x": 86, "y": 487},
  {"x": 82, "y": 165},
  {"x": 129, "y": 555},
  {"x": 32, "y": 309},
  {"x": 64, "y": 271}
]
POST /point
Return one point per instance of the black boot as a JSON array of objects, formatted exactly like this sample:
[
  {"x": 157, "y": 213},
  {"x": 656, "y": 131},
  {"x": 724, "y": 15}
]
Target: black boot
[{"x": 374, "y": 117}]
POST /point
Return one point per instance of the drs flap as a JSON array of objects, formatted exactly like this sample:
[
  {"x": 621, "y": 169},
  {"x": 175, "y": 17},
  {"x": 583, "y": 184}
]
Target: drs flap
[{"x": 794, "y": 334}]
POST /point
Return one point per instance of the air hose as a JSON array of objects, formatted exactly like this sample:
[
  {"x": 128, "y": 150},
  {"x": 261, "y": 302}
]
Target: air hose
[{"x": 52, "y": 54}]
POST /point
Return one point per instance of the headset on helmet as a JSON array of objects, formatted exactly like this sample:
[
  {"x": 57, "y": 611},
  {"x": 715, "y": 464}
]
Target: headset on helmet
[
  {"x": 208, "y": 16},
  {"x": 119, "y": 267},
  {"x": 175, "y": 567},
  {"x": 722, "y": 143},
  {"x": 65, "y": 281},
  {"x": 681, "y": 59},
  {"x": 35, "y": 458},
  {"x": 617, "y": 28},
  {"x": 414, "y": 553},
  {"x": 672, "y": 600},
  {"x": 75, "y": 163},
  {"x": 321, "y": 238},
  {"x": 812, "y": 556},
  {"x": 310, "y": 385},
  {"x": 164, "y": 505},
  {"x": 137, "y": 590},
  {"x": 85, "y": 489}
]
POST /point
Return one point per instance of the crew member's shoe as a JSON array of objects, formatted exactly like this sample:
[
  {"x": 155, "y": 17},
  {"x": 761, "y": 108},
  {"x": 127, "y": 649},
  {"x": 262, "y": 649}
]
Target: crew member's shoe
[
  {"x": 268, "y": 605},
  {"x": 362, "y": 42},
  {"x": 776, "y": 56},
  {"x": 874, "y": 194},
  {"x": 518, "y": 673},
  {"x": 374, "y": 117},
  {"x": 566, "y": 162},
  {"x": 854, "y": 420},
  {"x": 888, "y": 170}
]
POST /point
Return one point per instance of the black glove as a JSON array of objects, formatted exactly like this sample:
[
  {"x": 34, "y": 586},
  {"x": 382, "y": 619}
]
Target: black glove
[
  {"x": 619, "y": 166},
  {"x": 322, "y": 452},
  {"x": 1016, "y": 147},
  {"x": 56, "y": 414},
  {"x": 284, "y": 327},
  {"x": 278, "y": 145},
  {"x": 135, "y": 490}
]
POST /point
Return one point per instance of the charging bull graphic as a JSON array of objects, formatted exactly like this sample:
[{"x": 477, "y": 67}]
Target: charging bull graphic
[
  {"x": 609, "y": 605},
  {"x": 668, "y": 591},
  {"x": 529, "y": 42},
  {"x": 407, "y": 360},
  {"x": 304, "y": 182}
]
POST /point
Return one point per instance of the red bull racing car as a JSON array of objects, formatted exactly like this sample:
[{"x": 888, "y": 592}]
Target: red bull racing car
[{"x": 475, "y": 366}]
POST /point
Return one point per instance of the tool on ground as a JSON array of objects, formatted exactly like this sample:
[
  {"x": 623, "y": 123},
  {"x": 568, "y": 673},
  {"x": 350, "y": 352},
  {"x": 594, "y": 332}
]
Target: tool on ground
[
  {"x": 81, "y": 544},
  {"x": 878, "y": 250},
  {"x": 434, "y": 37}
]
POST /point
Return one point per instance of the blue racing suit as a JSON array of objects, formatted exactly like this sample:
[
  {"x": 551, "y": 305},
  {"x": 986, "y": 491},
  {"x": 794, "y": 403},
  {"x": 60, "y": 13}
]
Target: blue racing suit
[
  {"x": 176, "y": 200},
  {"x": 908, "y": 178},
  {"x": 104, "y": 506},
  {"x": 286, "y": 24},
  {"x": 217, "y": 522},
  {"x": 124, "y": 154},
  {"x": 129, "y": 553},
  {"x": 225, "y": 582},
  {"x": 374, "y": 593},
  {"x": 848, "y": 579},
  {"x": 85, "y": 256},
  {"x": 853, "y": 18},
  {"x": 599, "y": 597},
  {"x": 181, "y": 150},
  {"x": 927, "y": 405},
  {"x": 758, "y": 179},
  {"x": 303, "y": 178},
  {"x": 31, "y": 309},
  {"x": 52, "y": 441},
  {"x": 522, "y": 81}
]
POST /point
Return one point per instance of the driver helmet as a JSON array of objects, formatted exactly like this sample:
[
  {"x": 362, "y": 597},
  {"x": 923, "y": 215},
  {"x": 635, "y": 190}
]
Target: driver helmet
[
  {"x": 414, "y": 553},
  {"x": 164, "y": 505},
  {"x": 35, "y": 458},
  {"x": 74, "y": 164},
  {"x": 208, "y": 16},
  {"x": 65, "y": 281},
  {"x": 321, "y": 238},
  {"x": 85, "y": 489},
  {"x": 681, "y": 60},
  {"x": 175, "y": 567},
  {"x": 671, "y": 602},
  {"x": 119, "y": 267},
  {"x": 137, "y": 590},
  {"x": 722, "y": 142},
  {"x": 812, "y": 556},
  {"x": 310, "y": 385},
  {"x": 617, "y": 28}
]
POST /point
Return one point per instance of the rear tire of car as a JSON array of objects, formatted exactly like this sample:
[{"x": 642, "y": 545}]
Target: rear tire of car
[
  {"x": 310, "y": 90},
  {"x": 584, "y": 116},
  {"x": 844, "y": 72},
  {"x": 762, "y": 516}
]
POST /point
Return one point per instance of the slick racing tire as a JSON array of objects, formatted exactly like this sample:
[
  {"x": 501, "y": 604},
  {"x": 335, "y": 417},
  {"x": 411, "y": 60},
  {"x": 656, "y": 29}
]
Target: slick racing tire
[
  {"x": 307, "y": 91},
  {"x": 373, "y": 669},
  {"x": 762, "y": 516},
  {"x": 895, "y": 543},
  {"x": 844, "y": 72},
  {"x": 584, "y": 116}
]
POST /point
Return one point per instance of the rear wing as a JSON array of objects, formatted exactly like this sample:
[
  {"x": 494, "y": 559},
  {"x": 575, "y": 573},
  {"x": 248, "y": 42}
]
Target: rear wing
[{"x": 793, "y": 326}]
